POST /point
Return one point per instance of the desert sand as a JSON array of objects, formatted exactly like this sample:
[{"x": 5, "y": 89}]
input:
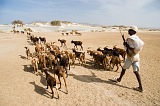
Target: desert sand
[{"x": 87, "y": 86}]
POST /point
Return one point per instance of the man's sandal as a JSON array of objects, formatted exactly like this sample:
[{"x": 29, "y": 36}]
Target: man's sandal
[{"x": 138, "y": 89}]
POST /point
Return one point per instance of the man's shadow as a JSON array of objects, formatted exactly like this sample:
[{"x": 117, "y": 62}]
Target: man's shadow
[{"x": 94, "y": 78}]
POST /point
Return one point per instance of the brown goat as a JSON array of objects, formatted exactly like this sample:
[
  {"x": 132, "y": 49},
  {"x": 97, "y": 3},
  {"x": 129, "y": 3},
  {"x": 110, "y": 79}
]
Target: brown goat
[
  {"x": 34, "y": 64},
  {"x": 80, "y": 56},
  {"x": 51, "y": 82},
  {"x": 71, "y": 56},
  {"x": 63, "y": 42},
  {"x": 78, "y": 33},
  {"x": 115, "y": 60},
  {"x": 42, "y": 60},
  {"x": 120, "y": 51},
  {"x": 28, "y": 53},
  {"x": 60, "y": 72}
]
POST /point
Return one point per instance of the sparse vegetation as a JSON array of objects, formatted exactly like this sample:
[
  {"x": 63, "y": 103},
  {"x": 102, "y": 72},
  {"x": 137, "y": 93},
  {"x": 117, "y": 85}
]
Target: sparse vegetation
[
  {"x": 17, "y": 22},
  {"x": 56, "y": 23}
]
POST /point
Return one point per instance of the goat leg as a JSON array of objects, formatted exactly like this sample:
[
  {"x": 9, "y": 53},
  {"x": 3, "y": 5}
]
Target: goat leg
[
  {"x": 81, "y": 47},
  {"x": 59, "y": 82},
  {"x": 66, "y": 72},
  {"x": 57, "y": 92},
  {"x": 76, "y": 47},
  {"x": 65, "y": 84},
  {"x": 117, "y": 68},
  {"x": 52, "y": 92}
]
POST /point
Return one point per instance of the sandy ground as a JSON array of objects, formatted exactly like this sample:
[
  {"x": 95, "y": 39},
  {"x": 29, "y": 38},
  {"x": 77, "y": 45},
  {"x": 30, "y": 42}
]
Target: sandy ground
[{"x": 88, "y": 86}]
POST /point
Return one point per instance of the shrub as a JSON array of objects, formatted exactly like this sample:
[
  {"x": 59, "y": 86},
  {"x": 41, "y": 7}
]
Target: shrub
[
  {"x": 17, "y": 22},
  {"x": 56, "y": 23}
]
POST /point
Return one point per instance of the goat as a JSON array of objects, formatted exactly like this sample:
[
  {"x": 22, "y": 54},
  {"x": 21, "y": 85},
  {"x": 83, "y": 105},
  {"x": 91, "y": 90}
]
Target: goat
[
  {"x": 34, "y": 39},
  {"x": 60, "y": 72},
  {"x": 42, "y": 61},
  {"x": 77, "y": 43},
  {"x": 22, "y": 32},
  {"x": 28, "y": 53},
  {"x": 101, "y": 59},
  {"x": 15, "y": 31},
  {"x": 80, "y": 56},
  {"x": 42, "y": 39},
  {"x": 78, "y": 33},
  {"x": 34, "y": 64},
  {"x": 71, "y": 33},
  {"x": 115, "y": 61},
  {"x": 64, "y": 61},
  {"x": 63, "y": 42},
  {"x": 120, "y": 51},
  {"x": 109, "y": 52},
  {"x": 67, "y": 33},
  {"x": 28, "y": 33},
  {"x": 71, "y": 56},
  {"x": 51, "y": 60},
  {"x": 38, "y": 48},
  {"x": 51, "y": 82}
]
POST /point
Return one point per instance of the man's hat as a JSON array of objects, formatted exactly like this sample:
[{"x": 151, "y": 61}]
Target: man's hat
[{"x": 135, "y": 28}]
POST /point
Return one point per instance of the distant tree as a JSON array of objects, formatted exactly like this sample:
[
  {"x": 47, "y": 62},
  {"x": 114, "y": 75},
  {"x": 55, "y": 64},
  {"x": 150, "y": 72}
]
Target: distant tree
[
  {"x": 17, "y": 22},
  {"x": 56, "y": 23}
]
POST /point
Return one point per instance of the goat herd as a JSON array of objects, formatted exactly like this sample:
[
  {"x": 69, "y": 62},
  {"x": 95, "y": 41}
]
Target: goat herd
[{"x": 50, "y": 59}]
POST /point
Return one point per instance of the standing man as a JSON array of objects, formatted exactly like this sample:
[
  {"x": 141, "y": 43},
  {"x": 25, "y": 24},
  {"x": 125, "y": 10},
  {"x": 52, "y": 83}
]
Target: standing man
[{"x": 133, "y": 45}]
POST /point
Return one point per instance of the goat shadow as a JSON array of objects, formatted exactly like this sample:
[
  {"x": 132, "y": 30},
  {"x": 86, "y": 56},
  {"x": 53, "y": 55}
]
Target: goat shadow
[
  {"x": 40, "y": 90},
  {"x": 23, "y": 57},
  {"x": 94, "y": 78},
  {"x": 28, "y": 68},
  {"x": 43, "y": 79}
]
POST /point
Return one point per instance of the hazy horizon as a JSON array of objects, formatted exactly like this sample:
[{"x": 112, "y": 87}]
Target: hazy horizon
[{"x": 143, "y": 13}]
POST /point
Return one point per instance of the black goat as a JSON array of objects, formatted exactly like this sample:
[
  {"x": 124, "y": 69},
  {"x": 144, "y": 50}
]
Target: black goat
[
  {"x": 109, "y": 52},
  {"x": 64, "y": 61},
  {"x": 50, "y": 81},
  {"x": 77, "y": 43},
  {"x": 34, "y": 39},
  {"x": 80, "y": 56},
  {"x": 60, "y": 72},
  {"x": 42, "y": 39},
  {"x": 122, "y": 52}
]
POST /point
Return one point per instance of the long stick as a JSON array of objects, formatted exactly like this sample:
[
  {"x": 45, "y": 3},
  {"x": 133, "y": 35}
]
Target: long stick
[{"x": 122, "y": 35}]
